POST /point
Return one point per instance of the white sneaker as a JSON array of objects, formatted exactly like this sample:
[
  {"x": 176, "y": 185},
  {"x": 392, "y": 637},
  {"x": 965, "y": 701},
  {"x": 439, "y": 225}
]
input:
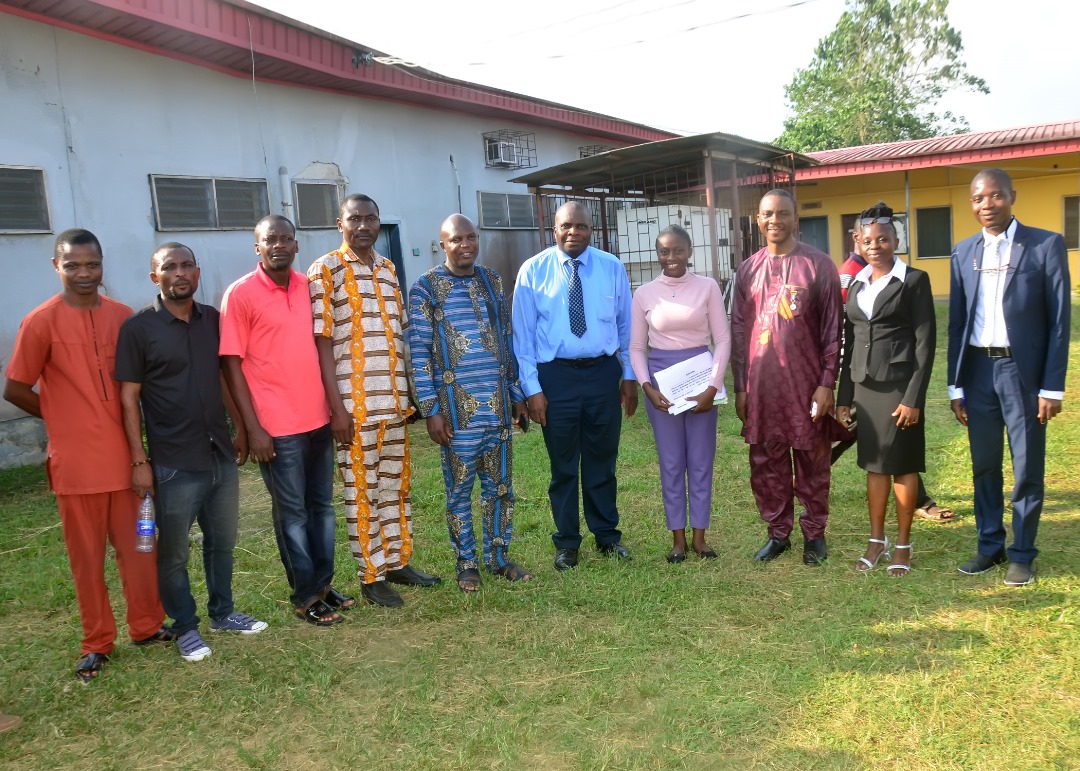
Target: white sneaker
[{"x": 192, "y": 647}]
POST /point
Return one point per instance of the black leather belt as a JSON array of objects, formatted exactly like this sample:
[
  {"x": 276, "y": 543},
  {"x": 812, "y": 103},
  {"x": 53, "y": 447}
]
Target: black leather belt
[
  {"x": 583, "y": 363},
  {"x": 992, "y": 352}
]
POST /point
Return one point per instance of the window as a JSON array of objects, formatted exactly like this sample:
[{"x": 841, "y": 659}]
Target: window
[
  {"x": 933, "y": 231},
  {"x": 1072, "y": 222},
  {"x": 317, "y": 204},
  {"x": 507, "y": 211},
  {"x": 204, "y": 203},
  {"x": 847, "y": 227},
  {"x": 590, "y": 150},
  {"x": 23, "y": 205},
  {"x": 815, "y": 231}
]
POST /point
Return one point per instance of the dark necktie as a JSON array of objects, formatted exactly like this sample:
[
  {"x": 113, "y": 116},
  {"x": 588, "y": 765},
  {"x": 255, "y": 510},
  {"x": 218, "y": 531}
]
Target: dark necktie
[{"x": 577, "y": 303}]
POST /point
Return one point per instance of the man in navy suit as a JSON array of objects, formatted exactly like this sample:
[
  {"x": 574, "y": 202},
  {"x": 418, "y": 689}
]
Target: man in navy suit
[{"x": 1008, "y": 350}]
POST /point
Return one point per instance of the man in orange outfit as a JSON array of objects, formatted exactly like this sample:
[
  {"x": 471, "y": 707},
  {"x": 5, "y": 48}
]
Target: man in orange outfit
[{"x": 67, "y": 346}]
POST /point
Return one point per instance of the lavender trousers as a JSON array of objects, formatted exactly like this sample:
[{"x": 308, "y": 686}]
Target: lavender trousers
[{"x": 686, "y": 447}]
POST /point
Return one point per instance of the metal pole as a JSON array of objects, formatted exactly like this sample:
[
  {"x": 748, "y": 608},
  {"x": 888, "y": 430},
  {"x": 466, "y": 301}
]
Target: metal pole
[
  {"x": 736, "y": 215},
  {"x": 710, "y": 203},
  {"x": 540, "y": 216},
  {"x": 605, "y": 240},
  {"x": 907, "y": 215}
]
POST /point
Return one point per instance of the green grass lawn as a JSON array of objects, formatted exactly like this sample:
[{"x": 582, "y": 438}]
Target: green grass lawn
[{"x": 641, "y": 665}]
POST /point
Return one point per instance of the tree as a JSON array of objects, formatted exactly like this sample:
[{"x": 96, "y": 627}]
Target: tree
[{"x": 879, "y": 77}]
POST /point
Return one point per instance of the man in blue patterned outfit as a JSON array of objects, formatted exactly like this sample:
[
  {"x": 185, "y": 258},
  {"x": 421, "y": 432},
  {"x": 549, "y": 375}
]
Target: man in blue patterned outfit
[{"x": 466, "y": 379}]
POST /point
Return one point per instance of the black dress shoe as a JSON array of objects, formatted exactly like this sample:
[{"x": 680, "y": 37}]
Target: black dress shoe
[
  {"x": 980, "y": 563},
  {"x": 772, "y": 549},
  {"x": 410, "y": 576},
  {"x": 814, "y": 551},
  {"x": 382, "y": 594},
  {"x": 616, "y": 550},
  {"x": 565, "y": 559}
]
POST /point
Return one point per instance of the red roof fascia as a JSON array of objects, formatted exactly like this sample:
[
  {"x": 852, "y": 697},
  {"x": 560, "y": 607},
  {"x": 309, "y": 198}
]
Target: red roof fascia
[
  {"x": 970, "y": 157},
  {"x": 270, "y": 38}
]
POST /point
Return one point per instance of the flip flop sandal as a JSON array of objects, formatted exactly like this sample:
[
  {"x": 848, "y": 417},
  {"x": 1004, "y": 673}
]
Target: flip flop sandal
[
  {"x": 89, "y": 667},
  {"x": 707, "y": 553},
  {"x": 934, "y": 513},
  {"x": 318, "y": 613},
  {"x": 469, "y": 580},
  {"x": 166, "y": 634},
  {"x": 513, "y": 573},
  {"x": 338, "y": 601},
  {"x": 675, "y": 557}
]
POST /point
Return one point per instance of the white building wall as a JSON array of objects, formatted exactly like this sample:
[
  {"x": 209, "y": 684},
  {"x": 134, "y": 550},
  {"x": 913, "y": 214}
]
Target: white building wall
[{"x": 100, "y": 117}]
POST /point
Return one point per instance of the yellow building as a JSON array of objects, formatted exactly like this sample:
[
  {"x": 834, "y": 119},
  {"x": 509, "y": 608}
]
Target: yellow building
[{"x": 928, "y": 181}]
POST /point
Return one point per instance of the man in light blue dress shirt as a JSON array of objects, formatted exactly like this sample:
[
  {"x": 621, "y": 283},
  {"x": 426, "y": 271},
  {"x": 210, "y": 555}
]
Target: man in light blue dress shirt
[{"x": 572, "y": 338}]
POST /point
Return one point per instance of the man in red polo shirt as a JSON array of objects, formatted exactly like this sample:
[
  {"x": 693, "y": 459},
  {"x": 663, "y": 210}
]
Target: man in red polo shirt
[
  {"x": 67, "y": 347},
  {"x": 272, "y": 369}
]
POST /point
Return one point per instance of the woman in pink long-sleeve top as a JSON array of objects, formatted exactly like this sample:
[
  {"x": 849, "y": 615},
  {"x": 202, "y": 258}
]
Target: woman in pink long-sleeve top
[{"x": 674, "y": 317}]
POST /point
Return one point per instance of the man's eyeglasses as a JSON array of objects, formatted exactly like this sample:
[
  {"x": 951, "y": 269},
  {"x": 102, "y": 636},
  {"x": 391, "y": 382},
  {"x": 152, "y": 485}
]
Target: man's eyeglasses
[{"x": 875, "y": 221}]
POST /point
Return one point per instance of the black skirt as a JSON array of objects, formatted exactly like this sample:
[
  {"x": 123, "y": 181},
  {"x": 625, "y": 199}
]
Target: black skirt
[{"x": 884, "y": 447}]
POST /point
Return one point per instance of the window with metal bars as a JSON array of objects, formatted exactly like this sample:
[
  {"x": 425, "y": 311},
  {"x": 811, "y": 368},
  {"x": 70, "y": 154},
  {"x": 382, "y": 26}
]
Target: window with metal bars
[
  {"x": 507, "y": 211},
  {"x": 208, "y": 203},
  {"x": 24, "y": 207}
]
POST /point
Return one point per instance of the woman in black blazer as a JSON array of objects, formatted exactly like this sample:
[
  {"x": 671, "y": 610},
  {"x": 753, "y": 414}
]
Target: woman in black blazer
[{"x": 889, "y": 340}]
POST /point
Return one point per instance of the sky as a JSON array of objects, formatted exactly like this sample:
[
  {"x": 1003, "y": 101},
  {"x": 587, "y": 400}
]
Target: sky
[{"x": 696, "y": 66}]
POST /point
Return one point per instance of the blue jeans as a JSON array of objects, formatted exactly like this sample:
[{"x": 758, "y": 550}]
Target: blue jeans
[
  {"x": 300, "y": 480},
  {"x": 211, "y": 498}
]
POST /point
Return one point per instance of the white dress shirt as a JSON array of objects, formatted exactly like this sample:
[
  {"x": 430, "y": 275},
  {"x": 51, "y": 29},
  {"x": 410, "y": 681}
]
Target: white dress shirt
[
  {"x": 988, "y": 327},
  {"x": 868, "y": 294}
]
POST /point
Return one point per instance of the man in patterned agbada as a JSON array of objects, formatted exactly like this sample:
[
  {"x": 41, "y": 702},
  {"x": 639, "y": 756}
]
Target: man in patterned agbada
[
  {"x": 359, "y": 333},
  {"x": 785, "y": 354},
  {"x": 466, "y": 378}
]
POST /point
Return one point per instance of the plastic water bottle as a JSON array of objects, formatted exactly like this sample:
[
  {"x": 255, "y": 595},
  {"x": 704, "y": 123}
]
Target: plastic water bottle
[{"x": 144, "y": 526}]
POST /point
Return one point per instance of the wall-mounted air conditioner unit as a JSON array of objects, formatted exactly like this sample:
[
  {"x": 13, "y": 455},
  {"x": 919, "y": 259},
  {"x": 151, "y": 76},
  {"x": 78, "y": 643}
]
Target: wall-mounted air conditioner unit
[{"x": 502, "y": 153}]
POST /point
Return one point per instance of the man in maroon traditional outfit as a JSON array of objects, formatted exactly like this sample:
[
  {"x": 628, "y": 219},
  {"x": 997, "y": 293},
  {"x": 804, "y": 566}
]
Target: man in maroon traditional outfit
[{"x": 785, "y": 351}]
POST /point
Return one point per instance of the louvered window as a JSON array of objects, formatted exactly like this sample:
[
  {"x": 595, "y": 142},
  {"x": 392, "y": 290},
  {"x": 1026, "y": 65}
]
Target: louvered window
[
  {"x": 507, "y": 211},
  {"x": 24, "y": 207},
  {"x": 207, "y": 203},
  {"x": 317, "y": 204}
]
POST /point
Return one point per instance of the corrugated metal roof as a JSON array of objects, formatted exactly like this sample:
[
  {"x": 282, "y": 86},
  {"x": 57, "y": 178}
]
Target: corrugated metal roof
[
  {"x": 982, "y": 146},
  {"x": 627, "y": 163},
  {"x": 225, "y": 35}
]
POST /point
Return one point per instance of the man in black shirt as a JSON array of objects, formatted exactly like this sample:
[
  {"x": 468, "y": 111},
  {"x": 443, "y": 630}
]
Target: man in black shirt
[{"x": 167, "y": 360}]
